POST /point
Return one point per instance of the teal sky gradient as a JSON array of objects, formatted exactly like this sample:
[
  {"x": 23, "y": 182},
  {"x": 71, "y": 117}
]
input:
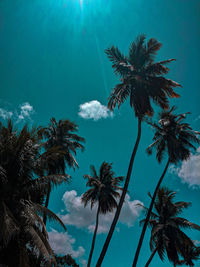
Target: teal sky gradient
[{"x": 52, "y": 56}]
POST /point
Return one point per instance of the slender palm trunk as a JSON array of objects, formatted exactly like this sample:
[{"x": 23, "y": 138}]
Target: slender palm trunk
[
  {"x": 94, "y": 237},
  {"x": 119, "y": 207},
  {"x": 148, "y": 215},
  {"x": 47, "y": 203},
  {"x": 151, "y": 257}
]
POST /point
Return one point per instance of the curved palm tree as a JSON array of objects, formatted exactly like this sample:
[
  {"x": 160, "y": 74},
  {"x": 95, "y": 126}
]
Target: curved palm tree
[
  {"x": 166, "y": 230},
  {"x": 172, "y": 137},
  {"x": 142, "y": 81},
  {"x": 103, "y": 190},
  {"x": 64, "y": 142},
  {"x": 21, "y": 194}
]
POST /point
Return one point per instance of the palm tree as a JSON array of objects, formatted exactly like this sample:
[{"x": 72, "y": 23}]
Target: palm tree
[
  {"x": 104, "y": 190},
  {"x": 172, "y": 137},
  {"x": 62, "y": 140},
  {"x": 142, "y": 80},
  {"x": 21, "y": 197},
  {"x": 166, "y": 230}
]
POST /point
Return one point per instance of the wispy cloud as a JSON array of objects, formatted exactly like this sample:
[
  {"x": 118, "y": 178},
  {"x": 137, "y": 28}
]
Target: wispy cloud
[
  {"x": 63, "y": 243},
  {"x": 84, "y": 217},
  {"x": 94, "y": 110},
  {"x": 189, "y": 171},
  {"x": 5, "y": 114},
  {"x": 24, "y": 112}
]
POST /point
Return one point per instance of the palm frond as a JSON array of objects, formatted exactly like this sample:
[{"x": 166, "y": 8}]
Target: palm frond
[
  {"x": 153, "y": 46},
  {"x": 50, "y": 215},
  {"x": 119, "y": 61},
  {"x": 183, "y": 223},
  {"x": 119, "y": 95},
  {"x": 40, "y": 184},
  {"x": 8, "y": 223},
  {"x": 33, "y": 235}
]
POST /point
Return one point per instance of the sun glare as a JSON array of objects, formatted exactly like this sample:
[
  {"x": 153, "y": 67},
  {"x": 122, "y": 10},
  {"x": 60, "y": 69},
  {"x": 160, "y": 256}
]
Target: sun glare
[{"x": 81, "y": 3}]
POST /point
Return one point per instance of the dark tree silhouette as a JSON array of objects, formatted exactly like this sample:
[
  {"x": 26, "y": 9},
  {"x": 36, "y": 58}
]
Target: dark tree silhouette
[
  {"x": 21, "y": 197},
  {"x": 142, "y": 81},
  {"x": 104, "y": 190},
  {"x": 172, "y": 137},
  {"x": 167, "y": 236},
  {"x": 61, "y": 140}
]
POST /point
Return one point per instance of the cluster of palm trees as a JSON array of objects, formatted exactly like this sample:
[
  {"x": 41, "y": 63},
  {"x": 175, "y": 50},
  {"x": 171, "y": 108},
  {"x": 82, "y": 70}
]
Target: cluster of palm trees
[
  {"x": 142, "y": 81},
  {"x": 33, "y": 161}
]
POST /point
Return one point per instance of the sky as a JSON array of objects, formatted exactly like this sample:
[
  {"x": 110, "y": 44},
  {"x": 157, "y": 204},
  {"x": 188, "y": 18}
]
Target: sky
[{"x": 52, "y": 64}]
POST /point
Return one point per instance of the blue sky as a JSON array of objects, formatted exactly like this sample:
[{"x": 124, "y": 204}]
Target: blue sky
[{"x": 52, "y": 63}]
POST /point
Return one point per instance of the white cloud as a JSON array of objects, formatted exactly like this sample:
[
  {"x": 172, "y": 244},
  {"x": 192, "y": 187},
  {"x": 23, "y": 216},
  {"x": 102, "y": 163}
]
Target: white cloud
[
  {"x": 84, "y": 217},
  {"x": 25, "y": 111},
  {"x": 5, "y": 114},
  {"x": 94, "y": 110},
  {"x": 62, "y": 243},
  {"x": 189, "y": 172}
]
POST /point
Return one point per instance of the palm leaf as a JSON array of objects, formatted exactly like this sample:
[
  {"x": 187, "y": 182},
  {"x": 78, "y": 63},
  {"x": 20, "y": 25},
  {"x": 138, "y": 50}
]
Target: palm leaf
[
  {"x": 50, "y": 215},
  {"x": 8, "y": 223},
  {"x": 183, "y": 223},
  {"x": 35, "y": 238},
  {"x": 119, "y": 61}
]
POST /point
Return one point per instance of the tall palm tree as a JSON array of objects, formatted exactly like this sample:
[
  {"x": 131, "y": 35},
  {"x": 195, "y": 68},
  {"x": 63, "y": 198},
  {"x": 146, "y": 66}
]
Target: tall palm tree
[
  {"x": 21, "y": 195},
  {"x": 172, "y": 137},
  {"x": 167, "y": 236},
  {"x": 142, "y": 81},
  {"x": 104, "y": 190},
  {"x": 61, "y": 138}
]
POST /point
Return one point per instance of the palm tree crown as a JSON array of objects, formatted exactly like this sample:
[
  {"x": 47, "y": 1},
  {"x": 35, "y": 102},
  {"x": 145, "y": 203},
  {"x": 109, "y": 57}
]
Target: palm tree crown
[
  {"x": 141, "y": 78},
  {"x": 104, "y": 188},
  {"x": 166, "y": 234},
  {"x": 173, "y": 137},
  {"x": 61, "y": 134},
  {"x": 61, "y": 143},
  {"x": 104, "y": 191}
]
